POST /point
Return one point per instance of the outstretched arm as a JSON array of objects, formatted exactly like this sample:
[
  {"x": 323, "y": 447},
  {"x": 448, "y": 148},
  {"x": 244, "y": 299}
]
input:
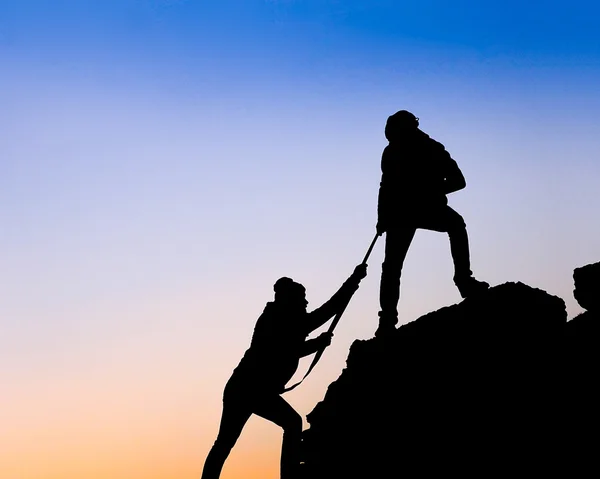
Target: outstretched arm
[{"x": 338, "y": 301}]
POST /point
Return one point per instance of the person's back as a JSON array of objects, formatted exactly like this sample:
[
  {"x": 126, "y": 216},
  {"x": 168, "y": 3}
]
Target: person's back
[{"x": 275, "y": 348}]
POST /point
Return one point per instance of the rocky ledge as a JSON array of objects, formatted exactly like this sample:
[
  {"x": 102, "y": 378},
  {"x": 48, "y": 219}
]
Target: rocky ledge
[{"x": 497, "y": 384}]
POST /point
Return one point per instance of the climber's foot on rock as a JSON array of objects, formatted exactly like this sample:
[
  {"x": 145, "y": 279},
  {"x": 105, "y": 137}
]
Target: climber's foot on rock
[
  {"x": 469, "y": 286},
  {"x": 387, "y": 326}
]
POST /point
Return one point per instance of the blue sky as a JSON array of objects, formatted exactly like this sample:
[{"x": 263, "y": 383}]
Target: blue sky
[{"x": 164, "y": 162}]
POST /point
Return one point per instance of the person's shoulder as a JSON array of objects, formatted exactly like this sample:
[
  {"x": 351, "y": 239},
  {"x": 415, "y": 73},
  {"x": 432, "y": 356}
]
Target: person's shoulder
[
  {"x": 429, "y": 140},
  {"x": 437, "y": 149},
  {"x": 270, "y": 307},
  {"x": 269, "y": 311}
]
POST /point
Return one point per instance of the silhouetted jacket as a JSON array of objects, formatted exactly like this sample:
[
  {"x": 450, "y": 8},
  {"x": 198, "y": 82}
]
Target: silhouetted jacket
[
  {"x": 279, "y": 341},
  {"x": 417, "y": 174}
]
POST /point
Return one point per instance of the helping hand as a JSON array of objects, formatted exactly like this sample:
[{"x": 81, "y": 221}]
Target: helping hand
[
  {"x": 360, "y": 271},
  {"x": 325, "y": 338}
]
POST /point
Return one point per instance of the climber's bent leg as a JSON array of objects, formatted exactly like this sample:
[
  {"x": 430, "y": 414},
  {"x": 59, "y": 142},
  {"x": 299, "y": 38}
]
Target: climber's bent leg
[
  {"x": 447, "y": 220},
  {"x": 235, "y": 415},
  {"x": 277, "y": 410}
]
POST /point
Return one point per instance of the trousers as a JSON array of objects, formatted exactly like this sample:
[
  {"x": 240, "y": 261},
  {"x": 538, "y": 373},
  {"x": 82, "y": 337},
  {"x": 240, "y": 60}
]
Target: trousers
[
  {"x": 398, "y": 239},
  {"x": 239, "y": 403}
]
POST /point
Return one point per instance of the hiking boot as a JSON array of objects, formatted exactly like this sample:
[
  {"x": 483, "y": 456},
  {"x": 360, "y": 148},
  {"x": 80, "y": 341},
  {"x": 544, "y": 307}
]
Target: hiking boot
[
  {"x": 387, "y": 325},
  {"x": 469, "y": 286}
]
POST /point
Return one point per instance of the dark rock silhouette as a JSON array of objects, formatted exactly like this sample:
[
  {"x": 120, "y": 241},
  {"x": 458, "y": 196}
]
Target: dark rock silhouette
[
  {"x": 583, "y": 331},
  {"x": 485, "y": 387},
  {"x": 587, "y": 288},
  {"x": 583, "y": 347}
]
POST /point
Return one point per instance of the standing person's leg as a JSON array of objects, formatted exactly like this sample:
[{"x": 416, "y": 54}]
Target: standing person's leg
[
  {"x": 448, "y": 220},
  {"x": 236, "y": 413},
  {"x": 277, "y": 410},
  {"x": 397, "y": 242}
]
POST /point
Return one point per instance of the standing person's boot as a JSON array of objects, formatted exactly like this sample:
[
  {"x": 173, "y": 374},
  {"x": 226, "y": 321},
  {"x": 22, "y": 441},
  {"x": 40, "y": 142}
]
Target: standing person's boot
[
  {"x": 469, "y": 286},
  {"x": 387, "y": 325}
]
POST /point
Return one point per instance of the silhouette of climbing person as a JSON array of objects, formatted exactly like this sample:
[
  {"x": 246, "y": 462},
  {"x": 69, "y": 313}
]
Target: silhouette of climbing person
[
  {"x": 255, "y": 386},
  {"x": 417, "y": 174}
]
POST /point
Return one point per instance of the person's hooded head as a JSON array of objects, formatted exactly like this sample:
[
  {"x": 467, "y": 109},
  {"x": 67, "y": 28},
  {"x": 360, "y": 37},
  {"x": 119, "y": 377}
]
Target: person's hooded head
[
  {"x": 400, "y": 124},
  {"x": 290, "y": 294}
]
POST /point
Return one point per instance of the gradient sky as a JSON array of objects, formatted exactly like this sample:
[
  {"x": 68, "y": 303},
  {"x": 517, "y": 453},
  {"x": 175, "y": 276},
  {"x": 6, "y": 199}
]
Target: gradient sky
[{"x": 162, "y": 163}]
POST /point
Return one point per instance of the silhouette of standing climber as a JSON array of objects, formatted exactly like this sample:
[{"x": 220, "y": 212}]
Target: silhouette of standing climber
[
  {"x": 278, "y": 343},
  {"x": 417, "y": 174}
]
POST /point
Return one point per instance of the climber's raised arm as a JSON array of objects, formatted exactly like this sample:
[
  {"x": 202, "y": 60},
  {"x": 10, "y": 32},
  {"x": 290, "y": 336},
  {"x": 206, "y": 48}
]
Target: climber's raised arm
[{"x": 338, "y": 301}]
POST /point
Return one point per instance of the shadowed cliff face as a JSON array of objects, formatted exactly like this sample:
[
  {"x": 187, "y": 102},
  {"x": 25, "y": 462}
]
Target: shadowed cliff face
[
  {"x": 480, "y": 388},
  {"x": 583, "y": 331},
  {"x": 587, "y": 287},
  {"x": 583, "y": 346}
]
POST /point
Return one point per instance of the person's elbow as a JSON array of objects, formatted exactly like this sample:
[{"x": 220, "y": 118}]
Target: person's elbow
[
  {"x": 461, "y": 183},
  {"x": 455, "y": 184}
]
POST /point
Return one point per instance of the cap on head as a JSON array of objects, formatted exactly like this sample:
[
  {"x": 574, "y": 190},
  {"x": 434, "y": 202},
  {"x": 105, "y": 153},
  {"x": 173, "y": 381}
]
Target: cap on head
[
  {"x": 400, "y": 122},
  {"x": 287, "y": 287}
]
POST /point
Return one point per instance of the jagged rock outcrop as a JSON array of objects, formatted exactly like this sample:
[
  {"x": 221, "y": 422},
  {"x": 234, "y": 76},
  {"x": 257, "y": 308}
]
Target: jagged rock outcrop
[
  {"x": 587, "y": 287},
  {"x": 583, "y": 330},
  {"x": 477, "y": 389},
  {"x": 582, "y": 342}
]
